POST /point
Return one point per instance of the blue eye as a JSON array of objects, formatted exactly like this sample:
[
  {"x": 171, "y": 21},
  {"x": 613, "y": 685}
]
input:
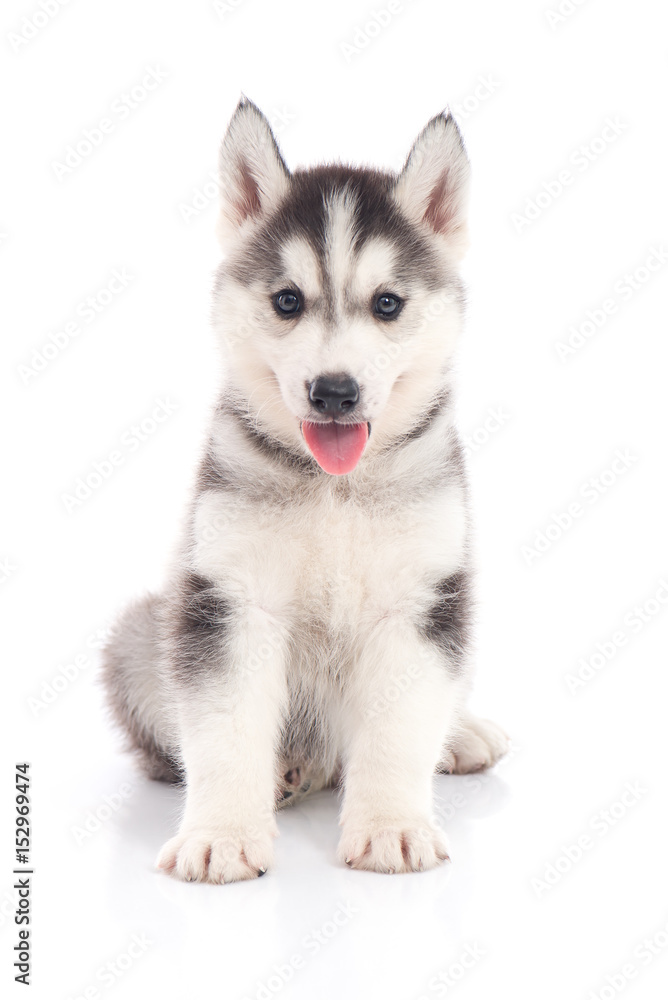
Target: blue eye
[
  {"x": 287, "y": 302},
  {"x": 387, "y": 306}
]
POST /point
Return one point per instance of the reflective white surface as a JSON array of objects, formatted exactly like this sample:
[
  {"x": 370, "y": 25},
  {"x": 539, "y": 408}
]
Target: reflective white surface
[{"x": 311, "y": 927}]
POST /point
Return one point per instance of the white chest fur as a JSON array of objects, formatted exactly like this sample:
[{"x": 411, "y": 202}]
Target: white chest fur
[{"x": 320, "y": 557}]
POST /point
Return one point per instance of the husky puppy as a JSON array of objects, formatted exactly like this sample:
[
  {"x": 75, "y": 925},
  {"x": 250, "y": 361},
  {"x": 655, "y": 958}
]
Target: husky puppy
[{"x": 315, "y": 629}]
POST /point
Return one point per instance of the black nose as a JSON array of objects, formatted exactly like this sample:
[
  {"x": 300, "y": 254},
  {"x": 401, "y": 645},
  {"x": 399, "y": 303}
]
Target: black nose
[{"x": 334, "y": 395}]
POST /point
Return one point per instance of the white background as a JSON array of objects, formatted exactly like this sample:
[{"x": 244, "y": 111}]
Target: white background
[{"x": 529, "y": 94}]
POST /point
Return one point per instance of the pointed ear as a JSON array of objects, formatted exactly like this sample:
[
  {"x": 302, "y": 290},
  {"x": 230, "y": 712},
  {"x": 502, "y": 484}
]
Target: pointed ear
[
  {"x": 253, "y": 176},
  {"x": 432, "y": 188}
]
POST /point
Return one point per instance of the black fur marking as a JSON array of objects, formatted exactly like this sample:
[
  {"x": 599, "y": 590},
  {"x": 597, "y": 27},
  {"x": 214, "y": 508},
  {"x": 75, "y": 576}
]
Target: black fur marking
[
  {"x": 305, "y": 731},
  {"x": 438, "y": 406},
  {"x": 269, "y": 446},
  {"x": 162, "y": 766},
  {"x": 198, "y": 629},
  {"x": 303, "y": 213},
  {"x": 133, "y": 649},
  {"x": 211, "y": 475},
  {"x": 456, "y": 459},
  {"x": 448, "y": 622}
]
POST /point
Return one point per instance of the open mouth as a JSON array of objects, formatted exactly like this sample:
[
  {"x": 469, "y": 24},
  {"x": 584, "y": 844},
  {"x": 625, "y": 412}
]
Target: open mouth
[{"x": 336, "y": 447}]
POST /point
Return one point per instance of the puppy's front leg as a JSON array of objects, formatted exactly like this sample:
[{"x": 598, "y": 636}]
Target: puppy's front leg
[
  {"x": 231, "y": 710},
  {"x": 401, "y": 704}
]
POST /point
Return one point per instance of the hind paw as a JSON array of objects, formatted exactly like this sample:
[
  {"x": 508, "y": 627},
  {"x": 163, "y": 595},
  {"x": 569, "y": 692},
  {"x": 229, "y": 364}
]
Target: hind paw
[
  {"x": 478, "y": 744},
  {"x": 296, "y": 781}
]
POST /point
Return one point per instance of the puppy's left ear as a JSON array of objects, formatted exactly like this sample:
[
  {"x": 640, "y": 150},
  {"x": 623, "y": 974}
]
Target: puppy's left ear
[
  {"x": 253, "y": 176},
  {"x": 432, "y": 189}
]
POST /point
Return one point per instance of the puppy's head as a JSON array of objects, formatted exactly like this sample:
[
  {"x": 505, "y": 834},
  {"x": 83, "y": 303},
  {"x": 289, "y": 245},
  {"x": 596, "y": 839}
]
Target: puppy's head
[{"x": 338, "y": 303}]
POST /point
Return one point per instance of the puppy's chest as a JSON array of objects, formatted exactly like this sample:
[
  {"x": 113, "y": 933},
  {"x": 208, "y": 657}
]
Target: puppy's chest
[{"x": 333, "y": 560}]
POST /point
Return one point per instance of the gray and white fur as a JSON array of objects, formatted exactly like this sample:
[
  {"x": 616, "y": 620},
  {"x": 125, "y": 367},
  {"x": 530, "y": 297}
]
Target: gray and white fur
[{"x": 315, "y": 629}]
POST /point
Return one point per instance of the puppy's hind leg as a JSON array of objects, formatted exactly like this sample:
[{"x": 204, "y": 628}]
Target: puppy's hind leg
[{"x": 131, "y": 675}]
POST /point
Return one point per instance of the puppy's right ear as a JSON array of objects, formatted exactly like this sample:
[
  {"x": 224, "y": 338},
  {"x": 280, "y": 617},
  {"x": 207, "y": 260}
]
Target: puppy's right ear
[{"x": 253, "y": 176}]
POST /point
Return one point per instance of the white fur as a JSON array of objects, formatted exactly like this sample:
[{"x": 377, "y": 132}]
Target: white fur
[
  {"x": 438, "y": 160},
  {"x": 227, "y": 741},
  {"x": 249, "y": 163},
  {"x": 329, "y": 587}
]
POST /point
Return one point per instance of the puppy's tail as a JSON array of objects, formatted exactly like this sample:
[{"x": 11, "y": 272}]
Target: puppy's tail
[{"x": 135, "y": 684}]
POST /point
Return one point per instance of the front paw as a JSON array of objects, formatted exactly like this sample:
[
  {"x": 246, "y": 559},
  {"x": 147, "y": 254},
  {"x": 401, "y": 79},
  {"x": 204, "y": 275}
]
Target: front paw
[
  {"x": 391, "y": 846},
  {"x": 217, "y": 856}
]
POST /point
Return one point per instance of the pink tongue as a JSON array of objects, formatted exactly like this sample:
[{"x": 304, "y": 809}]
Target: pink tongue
[{"x": 337, "y": 448}]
